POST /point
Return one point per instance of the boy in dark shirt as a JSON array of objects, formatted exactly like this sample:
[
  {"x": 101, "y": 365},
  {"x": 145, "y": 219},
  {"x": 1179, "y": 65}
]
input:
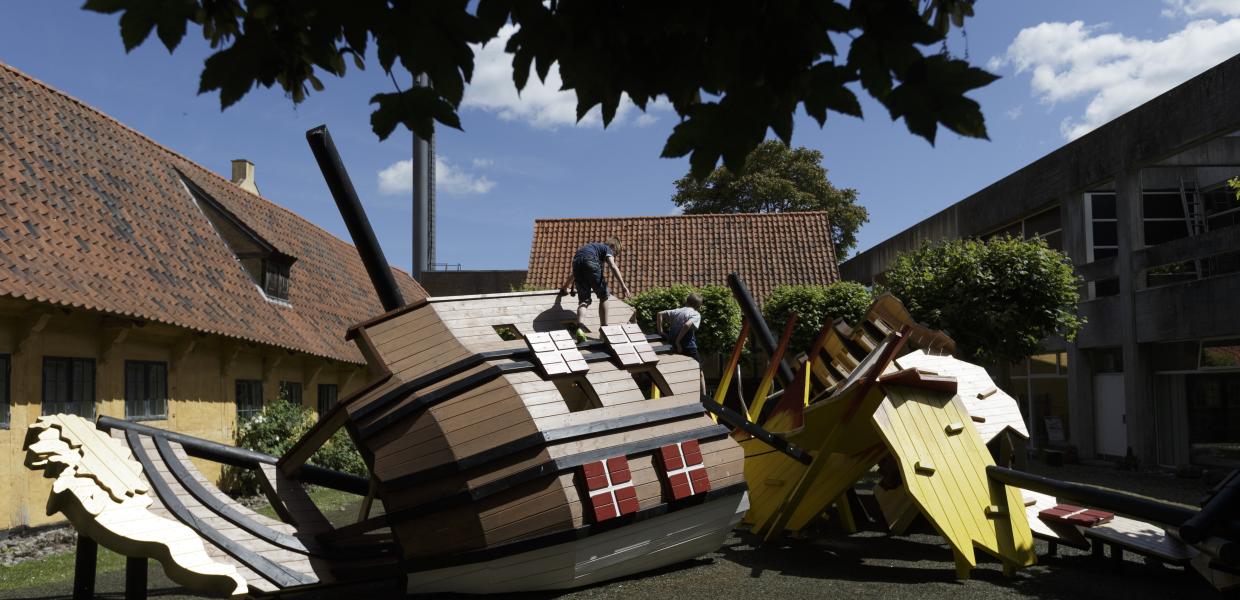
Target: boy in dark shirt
[{"x": 587, "y": 275}]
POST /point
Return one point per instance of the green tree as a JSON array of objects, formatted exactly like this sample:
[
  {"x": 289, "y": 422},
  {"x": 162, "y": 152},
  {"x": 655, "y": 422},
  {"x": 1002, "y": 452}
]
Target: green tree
[
  {"x": 776, "y": 179},
  {"x": 814, "y": 305},
  {"x": 732, "y": 71},
  {"x": 998, "y": 299},
  {"x": 721, "y": 316}
]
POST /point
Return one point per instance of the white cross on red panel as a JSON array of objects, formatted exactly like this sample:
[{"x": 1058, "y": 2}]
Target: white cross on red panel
[
  {"x": 686, "y": 473},
  {"x": 610, "y": 485},
  {"x": 556, "y": 352},
  {"x": 629, "y": 344}
]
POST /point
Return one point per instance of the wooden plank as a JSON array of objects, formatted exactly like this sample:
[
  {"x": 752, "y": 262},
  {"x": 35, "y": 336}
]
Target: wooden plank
[{"x": 395, "y": 328}]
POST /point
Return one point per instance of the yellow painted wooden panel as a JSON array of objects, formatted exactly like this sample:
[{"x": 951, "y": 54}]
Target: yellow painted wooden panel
[{"x": 956, "y": 495}]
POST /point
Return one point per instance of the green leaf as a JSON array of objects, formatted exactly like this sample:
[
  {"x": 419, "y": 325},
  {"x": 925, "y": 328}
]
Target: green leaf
[
  {"x": 136, "y": 24},
  {"x": 416, "y": 108}
]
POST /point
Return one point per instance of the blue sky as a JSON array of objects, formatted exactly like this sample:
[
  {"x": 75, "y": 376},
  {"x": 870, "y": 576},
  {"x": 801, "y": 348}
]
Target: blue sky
[{"x": 1067, "y": 66}]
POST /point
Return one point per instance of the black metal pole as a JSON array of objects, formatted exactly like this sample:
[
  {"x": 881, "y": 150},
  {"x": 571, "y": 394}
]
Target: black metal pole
[
  {"x": 84, "y": 562},
  {"x": 762, "y": 333},
  {"x": 423, "y": 192},
  {"x": 354, "y": 217},
  {"x": 135, "y": 578},
  {"x": 1225, "y": 504},
  {"x": 739, "y": 421}
]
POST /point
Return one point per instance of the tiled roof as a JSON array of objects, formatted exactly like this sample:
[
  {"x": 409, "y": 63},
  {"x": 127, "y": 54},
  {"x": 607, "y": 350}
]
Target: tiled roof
[
  {"x": 94, "y": 215},
  {"x": 766, "y": 249}
]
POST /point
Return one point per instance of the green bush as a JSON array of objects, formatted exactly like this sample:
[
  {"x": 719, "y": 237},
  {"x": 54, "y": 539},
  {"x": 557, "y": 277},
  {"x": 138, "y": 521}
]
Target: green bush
[
  {"x": 814, "y": 304},
  {"x": 273, "y": 431},
  {"x": 340, "y": 454},
  {"x": 721, "y": 316}
]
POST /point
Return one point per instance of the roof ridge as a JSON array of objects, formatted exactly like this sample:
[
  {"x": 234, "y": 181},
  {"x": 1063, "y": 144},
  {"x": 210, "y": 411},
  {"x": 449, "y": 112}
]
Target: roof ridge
[
  {"x": 169, "y": 151},
  {"x": 684, "y": 216}
]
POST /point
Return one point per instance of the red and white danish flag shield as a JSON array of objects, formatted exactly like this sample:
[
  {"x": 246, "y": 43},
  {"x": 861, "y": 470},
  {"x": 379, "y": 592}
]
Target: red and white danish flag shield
[
  {"x": 686, "y": 473},
  {"x": 610, "y": 485}
]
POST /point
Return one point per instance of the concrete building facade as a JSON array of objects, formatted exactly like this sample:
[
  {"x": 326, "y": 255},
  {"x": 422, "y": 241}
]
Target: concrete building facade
[{"x": 1142, "y": 208}]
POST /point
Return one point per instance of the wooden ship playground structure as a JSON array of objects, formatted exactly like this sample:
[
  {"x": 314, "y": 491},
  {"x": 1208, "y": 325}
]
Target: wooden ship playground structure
[{"x": 505, "y": 456}]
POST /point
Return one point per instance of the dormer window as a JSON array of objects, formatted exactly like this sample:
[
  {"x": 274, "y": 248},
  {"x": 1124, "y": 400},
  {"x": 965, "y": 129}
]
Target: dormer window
[
  {"x": 275, "y": 278},
  {"x": 267, "y": 266}
]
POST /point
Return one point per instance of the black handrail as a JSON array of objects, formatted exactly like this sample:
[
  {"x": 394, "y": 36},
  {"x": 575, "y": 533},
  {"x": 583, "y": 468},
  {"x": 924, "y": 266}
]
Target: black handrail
[{"x": 240, "y": 457}]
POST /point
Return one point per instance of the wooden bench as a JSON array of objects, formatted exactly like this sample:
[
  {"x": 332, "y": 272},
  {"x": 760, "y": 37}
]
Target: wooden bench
[{"x": 1140, "y": 538}]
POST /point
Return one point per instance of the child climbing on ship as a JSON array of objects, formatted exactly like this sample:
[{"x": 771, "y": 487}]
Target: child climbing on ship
[
  {"x": 587, "y": 276},
  {"x": 680, "y": 325}
]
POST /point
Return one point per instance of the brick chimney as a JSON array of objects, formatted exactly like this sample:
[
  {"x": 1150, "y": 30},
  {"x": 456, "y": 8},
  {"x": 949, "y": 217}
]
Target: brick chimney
[{"x": 243, "y": 175}]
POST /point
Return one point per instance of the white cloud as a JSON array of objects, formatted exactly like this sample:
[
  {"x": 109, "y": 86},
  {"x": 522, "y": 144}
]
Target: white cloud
[
  {"x": 1193, "y": 8},
  {"x": 482, "y": 163},
  {"x": 449, "y": 178},
  {"x": 541, "y": 104},
  {"x": 1070, "y": 61},
  {"x": 1015, "y": 112}
]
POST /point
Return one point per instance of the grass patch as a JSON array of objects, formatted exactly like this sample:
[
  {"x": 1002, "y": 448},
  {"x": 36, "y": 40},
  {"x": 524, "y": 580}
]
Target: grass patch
[
  {"x": 340, "y": 507},
  {"x": 331, "y": 502},
  {"x": 57, "y": 568}
]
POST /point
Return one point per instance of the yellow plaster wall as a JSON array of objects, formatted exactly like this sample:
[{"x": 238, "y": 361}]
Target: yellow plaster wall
[{"x": 201, "y": 394}]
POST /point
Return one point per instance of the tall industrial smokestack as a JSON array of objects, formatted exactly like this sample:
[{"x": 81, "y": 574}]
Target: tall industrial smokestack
[
  {"x": 354, "y": 217},
  {"x": 423, "y": 200}
]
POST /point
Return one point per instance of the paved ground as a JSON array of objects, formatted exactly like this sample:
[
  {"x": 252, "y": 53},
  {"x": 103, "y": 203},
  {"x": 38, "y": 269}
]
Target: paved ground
[{"x": 865, "y": 565}]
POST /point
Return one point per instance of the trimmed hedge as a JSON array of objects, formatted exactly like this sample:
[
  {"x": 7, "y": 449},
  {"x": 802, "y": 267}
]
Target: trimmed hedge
[
  {"x": 721, "y": 316},
  {"x": 814, "y": 304}
]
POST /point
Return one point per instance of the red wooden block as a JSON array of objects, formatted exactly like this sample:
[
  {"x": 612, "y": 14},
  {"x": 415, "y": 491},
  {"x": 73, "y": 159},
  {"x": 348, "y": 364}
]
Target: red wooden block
[
  {"x": 701, "y": 482},
  {"x": 604, "y": 508},
  {"x": 1100, "y": 516},
  {"x": 626, "y": 498},
  {"x": 621, "y": 476},
  {"x": 594, "y": 469},
  {"x": 617, "y": 463},
  {"x": 671, "y": 458},
  {"x": 693, "y": 452},
  {"x": 679, "y": 486}
]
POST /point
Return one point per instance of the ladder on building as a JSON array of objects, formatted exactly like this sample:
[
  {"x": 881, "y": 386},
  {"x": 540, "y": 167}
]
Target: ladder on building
[{"x": 1190, "y": 202}]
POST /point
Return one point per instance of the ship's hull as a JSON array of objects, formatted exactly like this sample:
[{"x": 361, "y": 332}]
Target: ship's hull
[{"x": 642, "y": 546}]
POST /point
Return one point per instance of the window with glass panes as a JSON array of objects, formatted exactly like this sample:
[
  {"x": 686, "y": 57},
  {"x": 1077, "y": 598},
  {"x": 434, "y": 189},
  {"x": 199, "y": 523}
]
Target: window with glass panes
[
  {"x": 146, "y": 389},
  {"x": 5, "y": 364},
  {"x": 328, "y": 394},
  {"x": 275, "y": 279},
  {"x": 1101, "y": 237},
  {"x": 291, "y": 391},
  {"x": 249, "y": 398},
  {"x": 69, "y": 386}
]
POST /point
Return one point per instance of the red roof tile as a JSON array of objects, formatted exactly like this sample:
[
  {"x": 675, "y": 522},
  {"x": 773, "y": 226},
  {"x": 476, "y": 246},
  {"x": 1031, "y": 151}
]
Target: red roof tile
[
  {"x": 766, "y": 249},
  {"x": 94, "y": 215}
]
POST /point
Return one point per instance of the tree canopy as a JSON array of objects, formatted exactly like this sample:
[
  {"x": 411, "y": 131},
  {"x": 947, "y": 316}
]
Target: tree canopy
[
  {"x": 731, "y": 71},
  {"x": 998, "y": 299},
  {"x": 776, "y": 179}
]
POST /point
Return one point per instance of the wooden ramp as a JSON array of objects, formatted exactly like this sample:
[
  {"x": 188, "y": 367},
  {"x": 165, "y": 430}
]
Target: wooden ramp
[{"x": 272, "y": 556}]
